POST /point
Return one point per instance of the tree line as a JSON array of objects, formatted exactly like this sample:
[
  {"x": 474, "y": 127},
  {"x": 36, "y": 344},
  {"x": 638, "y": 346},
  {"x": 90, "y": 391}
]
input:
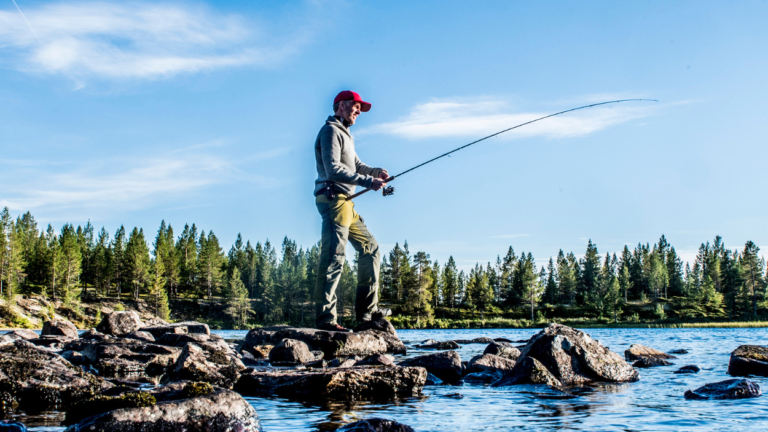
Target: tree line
[{"x": 260, "y": 285}]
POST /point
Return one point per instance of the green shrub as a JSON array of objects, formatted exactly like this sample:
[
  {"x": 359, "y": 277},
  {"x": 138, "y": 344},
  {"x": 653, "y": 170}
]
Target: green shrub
[{"x": 119, "y": 307}]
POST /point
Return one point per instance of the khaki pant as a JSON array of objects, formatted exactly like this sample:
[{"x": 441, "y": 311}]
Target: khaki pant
[{"x": 340, "y": 223}]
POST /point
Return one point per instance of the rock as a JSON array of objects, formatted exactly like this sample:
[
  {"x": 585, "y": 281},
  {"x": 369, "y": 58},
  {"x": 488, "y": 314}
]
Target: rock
[
  {"x": 749, "y": 360},
  {"x": 377, "y": 360},
  {"x": 75, "y": 358},
  {"x": 737, "y": 388},
  {"x": 221, "y": 410},
  {"x": 291, "y": 352},
  {"x": 37, "y": 379},
  {"x": 688, "y": 369},
  {"x": 573, "y": 357},
  {"x": 482, "y": 377},
  {"x": 433, "y": 380},
  {"x": 261, "y": 351},
  {"x": 678, "y": 351},
  {"x": 480, "y": 340},
  {"x": 155, "y": 322},
  {"x": 263, "y": 336},
  {"x": 127, "y": 358},
  {"x": 394, "y": 344},
  {"x": 55, "y": 342},
  {"x": 381, "y": 325},
  {"x": 336, "y": 344},
  {"x": 454, "y": 396},
  {"x": 637, "y": 352},
  {"x": 93, "y": 334},
  {"x": 446, "y": 345},
  {"x": 344, "y": 363},
  {"x": 445, "y": 365},
  {"x": 12, "y": 426},
  {"x": 355, "y": 383},
  {"x": 490, "y": 363},
  {"x": 179, "y": 328},
  {"x": 502, "y": 349},
  {"x": 24, "y": 334},
  {"x": 174, "y": 339},
  {"x": 59, "y": 328},
  {"x": 141, "y": 336},
  {"x": 120, "y": 323},
  {"x": 528, "y": 370},
  {"x": 375, "y": 425},
  {"x": 503, "y": 340},
  {"x": 650, "y": 362},
  {"x": 197, "y": 364}
]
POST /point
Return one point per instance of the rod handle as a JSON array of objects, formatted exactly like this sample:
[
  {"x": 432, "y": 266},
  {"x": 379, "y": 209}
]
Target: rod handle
[{"x": 389, "y": 179}]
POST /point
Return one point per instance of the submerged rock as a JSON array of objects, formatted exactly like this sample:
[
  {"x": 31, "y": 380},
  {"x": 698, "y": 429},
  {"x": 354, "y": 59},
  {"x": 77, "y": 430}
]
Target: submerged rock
[
  {"x": 749, "y": 360},
  {"x": 568, "y": 356},
  {"x": 688, "y": 369},
  {"x": 445, "y": 345},
  {"x": 528, "y": 370},
  {"x": 221, "y": 410},
  {"x": 433, "y": 380},
  {"x": 12, "y": 426},
  {"x": 480, "y": 340},
  {"x": 445, "y": 365},
  {"x": 650, "y": 362},
  {"x": 34, "y": 379},
  {"x": 120, "y": 323},
  {"x": 502, "y": 349},
  {"x": 679, "y": 351},
  {"x": 637, "y": 352},
  {"x": 482, "y": 377},
  {"x": 59, "y": 328},
  {"x": 738, "y": 388},
  {"x": 375, "y": 425},
  {"x": 354, "y": 383}
]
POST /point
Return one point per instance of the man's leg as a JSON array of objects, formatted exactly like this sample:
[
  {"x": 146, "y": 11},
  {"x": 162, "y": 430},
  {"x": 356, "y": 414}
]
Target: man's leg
[
  {"x": 367, "y": 298},
  {"x": 337, "y": 215}
]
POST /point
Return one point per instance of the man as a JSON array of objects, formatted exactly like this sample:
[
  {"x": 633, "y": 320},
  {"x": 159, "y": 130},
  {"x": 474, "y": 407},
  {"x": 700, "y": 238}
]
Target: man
[{"x": 339, "y": 172}]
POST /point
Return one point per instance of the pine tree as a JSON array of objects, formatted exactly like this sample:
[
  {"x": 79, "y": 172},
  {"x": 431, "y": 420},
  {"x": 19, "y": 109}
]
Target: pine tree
[
  {"x": 551, "y": 287},
  {"x": 157, "y": 291},
  {"x": 588, "y": 282},
  {"x": 119, "y": 259},
  {"x": 53, "y": 260},
  {"x": 566, "y": 276},
  {"x": 187, "y": 252},
  {"x": 86, "y": 242},
  {"x": 419, "y": 298},
  {"x": 239, "y": 306},
  {"x": 136, "y": 261},
  {"x": 209, "y": 263},
  {"x": 450, "y": 279},
  {"x": 614, "y": 299},
  {"x": 753, "y": 269},
  {"x": 505, "y": 278},
  {"x": 71, "y": 260}
]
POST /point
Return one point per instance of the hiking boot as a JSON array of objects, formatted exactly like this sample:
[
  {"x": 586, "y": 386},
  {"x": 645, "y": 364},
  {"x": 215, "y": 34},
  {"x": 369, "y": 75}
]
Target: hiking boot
[
  {"x": 380, "y": 313},
  {"x": 333, "y": 327}
]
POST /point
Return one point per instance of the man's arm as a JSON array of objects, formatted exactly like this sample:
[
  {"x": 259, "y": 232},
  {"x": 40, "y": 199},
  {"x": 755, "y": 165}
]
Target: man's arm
[
  {"x": 330, "y": 149},
  {"x": 365, "y": 169}
]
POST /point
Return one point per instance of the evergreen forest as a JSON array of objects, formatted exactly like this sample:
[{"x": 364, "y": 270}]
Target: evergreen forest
[{"x": 263, "y": 283}]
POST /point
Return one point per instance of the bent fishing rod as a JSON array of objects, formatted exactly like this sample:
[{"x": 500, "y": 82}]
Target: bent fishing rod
[{"x": 390, "y": 190}]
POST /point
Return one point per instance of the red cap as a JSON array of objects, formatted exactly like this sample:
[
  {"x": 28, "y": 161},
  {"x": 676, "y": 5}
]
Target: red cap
[{"x": 350, "y": 95}]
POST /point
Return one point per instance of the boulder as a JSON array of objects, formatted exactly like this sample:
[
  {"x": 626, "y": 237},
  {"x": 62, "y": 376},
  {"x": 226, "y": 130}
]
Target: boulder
[
  {"x": 197, "y": 364},
  {"x": 688, "y": 369},
  {"x": 221, "y": 410},
  {"x": 572, "y": 357},
  {"x": 502, "y": 349},
  {"x": 178, "y": 328},
  {"x": 263, "y": 336},
  {"x": 335, "y": 344},
  {"x": 480, "y": 340},
  {"x": 23, "y": 334},
  {"x": 393, "y": 343},
  {"x": 490, "y": 363},
  {"x": 345, "y": 384},
  {"x": 375, "y": 425},
  {"x": 59, "y": 328},
  {"x": 120, "y": 323},
  {"x": 528, "y": 370},
  {"x": 125, "y": 358},
  {"x": 290, "y": 351},
  {"x": 377, "y": 360},
  {"x": 261, "y": 351},
  {"x": 93, "y": 334},
  {"x": 12, "y": 426},
  {"x": 738, "y": 388},
  {"x": 650, "y": 362},
  {"x": 155, "y": 322},
  {"x": 53, "y": 342},
  {"x": 637, "y": 352},
  {"x": 37, "y": 379},
  {"x": 141, "y": 336},
  {"x": 445, "y": 365},
  {"x": 433, "y": 380},
  {"x": 445, "y": 345},
  {"x": 749, "y": 360},
  {"x": 382, "y": 325},
  {"x": 75, "y": 358}
]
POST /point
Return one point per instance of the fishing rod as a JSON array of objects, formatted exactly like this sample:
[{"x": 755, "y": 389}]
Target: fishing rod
[{"x": 390, "y": 190}]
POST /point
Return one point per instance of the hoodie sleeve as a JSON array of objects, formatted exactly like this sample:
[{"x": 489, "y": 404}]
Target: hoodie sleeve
[
  {"x": 365, "y": 169},
  {"x": 330, "y": 148}
]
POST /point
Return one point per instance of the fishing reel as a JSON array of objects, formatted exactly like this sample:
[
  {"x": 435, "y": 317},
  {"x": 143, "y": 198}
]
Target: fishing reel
[{"x": 387, "y": 191}]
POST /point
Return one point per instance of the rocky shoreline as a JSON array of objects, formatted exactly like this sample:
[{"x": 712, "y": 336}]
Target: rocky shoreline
[{"x": 129, "y": 374}]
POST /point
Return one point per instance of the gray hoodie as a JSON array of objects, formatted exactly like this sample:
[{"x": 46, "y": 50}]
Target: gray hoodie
[{"x": 338, "y": 162}]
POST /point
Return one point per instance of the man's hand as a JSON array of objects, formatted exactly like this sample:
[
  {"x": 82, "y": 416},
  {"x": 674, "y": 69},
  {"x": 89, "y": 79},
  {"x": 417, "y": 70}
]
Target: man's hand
[
  {"x": 384, "y": 174},
  {"x": 377, "y": 184}
]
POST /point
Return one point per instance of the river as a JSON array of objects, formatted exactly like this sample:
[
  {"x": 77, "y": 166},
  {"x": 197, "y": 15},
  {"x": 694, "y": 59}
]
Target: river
[{"x": 655, "y": 403}]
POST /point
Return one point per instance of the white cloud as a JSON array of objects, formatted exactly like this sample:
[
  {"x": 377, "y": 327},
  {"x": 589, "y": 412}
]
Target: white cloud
[
  {"x": 133, "y": 40},
  {"x": 118, "y": 185},
  {"x": 480, "y": 117}
]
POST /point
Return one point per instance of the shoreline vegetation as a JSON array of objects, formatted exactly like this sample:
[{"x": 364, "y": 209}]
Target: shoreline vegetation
[{"x": 80, "y": 274}]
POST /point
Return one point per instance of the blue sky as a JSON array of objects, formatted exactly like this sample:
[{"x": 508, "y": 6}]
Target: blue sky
[{"x": 134, "y": 112}]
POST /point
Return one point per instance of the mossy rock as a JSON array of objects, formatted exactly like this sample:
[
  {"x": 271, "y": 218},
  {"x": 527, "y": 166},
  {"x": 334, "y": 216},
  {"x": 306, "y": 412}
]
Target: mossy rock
[
  {"x": 197, "y": 389},
  {"x": 101, "y": 404}
]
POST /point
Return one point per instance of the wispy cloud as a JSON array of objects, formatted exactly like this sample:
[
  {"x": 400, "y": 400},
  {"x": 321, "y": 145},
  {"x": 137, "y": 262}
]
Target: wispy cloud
[
  {"x": 120, "y": 185},
  {"x": 479, "y": 117},
  {"x": 135, "y": 40}
]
